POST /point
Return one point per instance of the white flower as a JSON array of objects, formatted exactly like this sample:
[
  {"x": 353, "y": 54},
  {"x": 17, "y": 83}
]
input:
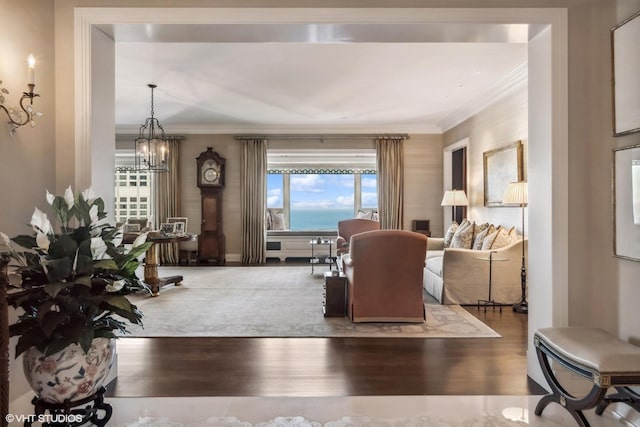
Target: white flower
[
  {"x": 93, "y": 213},
  {"x": 89, "y": 195},
  {"x": 117, "y": 239},
  {"x": 42, "y": 240},
  {"x": 99, "y": 248},
  {"x": 5, "y": 241},
  {"x": 40, "y": 222},
  {"x": 50, "y": 198},
  {"x": 140, "y": 240},
  {"x": 68, "y": 197},
  {"x": 115, "y": 286}
]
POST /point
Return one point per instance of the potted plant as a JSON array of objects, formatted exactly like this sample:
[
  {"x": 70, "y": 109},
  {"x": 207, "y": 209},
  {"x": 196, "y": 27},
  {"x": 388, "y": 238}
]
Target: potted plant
[{"x": 75, "y": 279}]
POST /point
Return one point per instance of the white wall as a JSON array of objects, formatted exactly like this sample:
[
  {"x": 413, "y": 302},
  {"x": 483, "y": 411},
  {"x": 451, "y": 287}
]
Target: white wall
[{"x": 103, "y": 119}]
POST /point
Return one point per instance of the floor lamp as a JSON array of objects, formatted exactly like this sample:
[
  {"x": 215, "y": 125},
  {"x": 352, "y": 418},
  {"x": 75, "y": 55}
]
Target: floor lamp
[
  {"x": 516, "y": 194},
  {"x": 454, "y": 198}
]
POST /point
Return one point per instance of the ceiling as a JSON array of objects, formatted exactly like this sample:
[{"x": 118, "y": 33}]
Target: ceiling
[{"x": 311, "y": 78}]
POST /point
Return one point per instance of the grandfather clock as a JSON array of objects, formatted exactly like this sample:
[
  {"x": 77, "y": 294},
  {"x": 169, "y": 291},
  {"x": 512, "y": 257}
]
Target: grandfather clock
[{"x": 210, "y": 179}]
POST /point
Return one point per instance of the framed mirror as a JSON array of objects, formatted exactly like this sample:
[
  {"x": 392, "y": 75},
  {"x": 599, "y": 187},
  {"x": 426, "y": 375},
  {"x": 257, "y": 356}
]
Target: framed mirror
[
  {"x": 626, "y": 202},
  {"x": 625, "y": 69},
  {"x": 500, "y": 167}
]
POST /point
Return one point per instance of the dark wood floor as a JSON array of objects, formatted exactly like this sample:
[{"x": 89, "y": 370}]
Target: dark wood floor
[{"x": 329, "y": 366}]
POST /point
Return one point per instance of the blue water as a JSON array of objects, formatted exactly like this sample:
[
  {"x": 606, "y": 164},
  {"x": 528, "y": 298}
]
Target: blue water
[{"x": 318, "y": 219}]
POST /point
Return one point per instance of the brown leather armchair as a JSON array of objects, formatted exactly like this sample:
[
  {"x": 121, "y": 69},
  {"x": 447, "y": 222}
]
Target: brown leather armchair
[
  {"x": 384, "y": 270},
  {"x": 349, "y": 227}
]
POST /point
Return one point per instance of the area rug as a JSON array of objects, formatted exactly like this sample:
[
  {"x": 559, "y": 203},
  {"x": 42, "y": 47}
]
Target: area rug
[{"x": 275, "y": 301}]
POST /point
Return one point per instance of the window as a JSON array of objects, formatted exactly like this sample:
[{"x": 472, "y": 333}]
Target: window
[
  {"x": 318, "y": 188},
  {"x": 132, "y": 191}
]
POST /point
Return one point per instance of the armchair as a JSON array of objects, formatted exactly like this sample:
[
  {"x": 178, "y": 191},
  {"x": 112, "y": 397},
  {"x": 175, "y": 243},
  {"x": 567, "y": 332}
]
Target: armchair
[
  {"x": 384, "y": 270},
  {"x": 349, "y": 227}
]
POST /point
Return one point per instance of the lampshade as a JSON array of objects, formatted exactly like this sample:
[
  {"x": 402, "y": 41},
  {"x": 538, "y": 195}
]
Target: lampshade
[
  {"x": 454, "y": 198},
  {"x": 516, "y": 194}
]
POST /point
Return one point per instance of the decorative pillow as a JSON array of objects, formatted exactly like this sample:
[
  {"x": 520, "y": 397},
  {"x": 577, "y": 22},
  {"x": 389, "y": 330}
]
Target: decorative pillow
[
  {"x": 277, "y": 220},
  {"x": 364, "y": 214},
  {"x": 463, "y": 238},
  {"x": 449, "y": 234},
  {"x": 479, "y": 238},
  {"x": 502, "y": 239},
  {"x": 267, "y": 219},
  {"x": 513, "y": 235},
  {"x": 488, "y": 241}
]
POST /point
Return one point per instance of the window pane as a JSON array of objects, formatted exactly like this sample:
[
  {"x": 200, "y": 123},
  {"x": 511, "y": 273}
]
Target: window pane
[
  {"x": 319, "y": 201},
  {"x": 274, "y": 190},
  {"x": 369, "y": 194}
]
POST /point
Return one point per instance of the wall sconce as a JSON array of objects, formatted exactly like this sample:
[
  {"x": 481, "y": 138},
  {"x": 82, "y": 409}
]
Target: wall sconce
[{"x": 25, "y": 114}]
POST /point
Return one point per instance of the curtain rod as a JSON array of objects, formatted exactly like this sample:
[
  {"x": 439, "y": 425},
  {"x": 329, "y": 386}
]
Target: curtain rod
[{"x": 322, "y": 136}]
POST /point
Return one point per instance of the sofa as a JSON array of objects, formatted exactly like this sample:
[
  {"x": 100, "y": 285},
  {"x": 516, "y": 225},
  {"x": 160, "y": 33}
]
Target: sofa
[
  {"x": 461, "y": 276},
  {"x": 384, "y": 270}
]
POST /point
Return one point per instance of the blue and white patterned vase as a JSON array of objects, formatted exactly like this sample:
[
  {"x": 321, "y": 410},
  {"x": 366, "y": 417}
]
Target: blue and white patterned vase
[{"x": 70, "y": 374}]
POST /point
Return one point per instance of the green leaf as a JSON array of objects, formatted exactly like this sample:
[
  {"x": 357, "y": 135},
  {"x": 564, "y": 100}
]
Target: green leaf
[
  {"x": 84, "y": 265},
  {"x": 139, "y": 250},
  {"x": 58, "y": 269},
  {"x": 60, "y": 208},
  {"x": 63, "y": 247},
  {"x": 53, "y": 289},
  {"x": 28, "y": 340},
  {"x": 51, "y": 321},
  {"x": 84, "y": 281},
  {"x": 27, "y": 242},
  {"x": 106, "y": 264}
]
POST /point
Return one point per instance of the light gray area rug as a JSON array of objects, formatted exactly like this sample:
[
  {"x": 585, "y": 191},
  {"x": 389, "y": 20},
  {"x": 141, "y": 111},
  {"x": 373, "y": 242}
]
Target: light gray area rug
[{"x": 275, "y": 301}]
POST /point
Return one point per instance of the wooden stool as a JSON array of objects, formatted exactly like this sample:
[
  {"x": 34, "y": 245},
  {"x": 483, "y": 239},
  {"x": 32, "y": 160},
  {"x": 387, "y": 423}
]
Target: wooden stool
[{"x": 593, "y": 354}]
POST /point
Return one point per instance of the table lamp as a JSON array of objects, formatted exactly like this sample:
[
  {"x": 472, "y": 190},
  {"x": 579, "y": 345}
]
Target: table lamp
[{"x": 454, "y": 198}]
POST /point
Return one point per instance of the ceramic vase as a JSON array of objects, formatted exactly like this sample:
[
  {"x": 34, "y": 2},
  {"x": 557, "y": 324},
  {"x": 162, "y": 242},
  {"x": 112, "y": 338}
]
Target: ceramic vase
[{"x": 71, "y": 374}]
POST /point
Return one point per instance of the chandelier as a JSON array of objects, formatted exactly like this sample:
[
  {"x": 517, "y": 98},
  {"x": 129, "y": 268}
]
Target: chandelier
[{"x": 151, "y": 146}]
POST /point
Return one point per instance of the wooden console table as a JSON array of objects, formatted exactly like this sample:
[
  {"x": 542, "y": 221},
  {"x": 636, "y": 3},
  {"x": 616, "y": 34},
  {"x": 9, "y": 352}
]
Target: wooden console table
[{"x": 151, "y": 264}]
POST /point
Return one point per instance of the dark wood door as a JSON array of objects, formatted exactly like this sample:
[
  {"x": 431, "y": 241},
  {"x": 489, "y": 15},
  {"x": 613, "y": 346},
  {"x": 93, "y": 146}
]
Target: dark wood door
[{"x": 211, "y": 241}]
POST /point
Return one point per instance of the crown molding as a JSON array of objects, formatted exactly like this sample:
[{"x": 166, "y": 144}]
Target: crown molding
[
  {"x": 222, "y": 129},
  {"x": 511, "y": 82}
]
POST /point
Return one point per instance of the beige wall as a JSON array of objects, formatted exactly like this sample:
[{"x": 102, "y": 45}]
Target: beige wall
[
  {"x": 627, "y": 272},
  {"x": 27, "y": 158},
  {"x": 423, "y": 178},
  {"x": 498, "y": 125}
]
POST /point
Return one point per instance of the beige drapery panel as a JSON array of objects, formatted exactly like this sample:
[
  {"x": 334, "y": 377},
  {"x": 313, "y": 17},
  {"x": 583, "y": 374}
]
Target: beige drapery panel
[
  {"x": 253, "y": 189},
  {"x": 166, "y": 193},
  {"x": 390, "y": 164}
]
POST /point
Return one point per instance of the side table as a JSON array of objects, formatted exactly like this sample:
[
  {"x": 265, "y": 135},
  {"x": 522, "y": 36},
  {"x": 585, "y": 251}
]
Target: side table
[
  {"x": 323, "y": 259},
  {"x": 334, "y": 303},
  {"x": 151, "y": 277},
  {"x": 490, "y": 301}
]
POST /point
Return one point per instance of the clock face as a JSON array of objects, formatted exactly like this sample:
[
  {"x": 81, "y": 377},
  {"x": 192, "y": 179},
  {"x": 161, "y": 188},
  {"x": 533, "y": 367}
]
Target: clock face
[{"x": 210, "y": 173}]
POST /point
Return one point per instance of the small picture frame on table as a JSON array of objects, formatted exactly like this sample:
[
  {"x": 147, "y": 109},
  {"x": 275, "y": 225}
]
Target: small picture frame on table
[
  {"x": 167, "y": 227},
  {"x": 131, "y": 228},
  {"x": 181, "y": 223}
]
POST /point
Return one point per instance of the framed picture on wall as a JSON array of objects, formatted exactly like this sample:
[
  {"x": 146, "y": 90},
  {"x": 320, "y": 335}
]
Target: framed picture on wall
[
  {"x": 626, "y": 202},
  {"x": 501, "y": 166},
  {"x": 625, "y": 67}
]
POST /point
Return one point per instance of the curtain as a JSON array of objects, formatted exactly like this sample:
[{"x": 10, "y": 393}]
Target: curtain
[
  {"x": 390, "y": 162},
  {"x": 253, "y": 189},
  {"x": 166, "y": 201}
]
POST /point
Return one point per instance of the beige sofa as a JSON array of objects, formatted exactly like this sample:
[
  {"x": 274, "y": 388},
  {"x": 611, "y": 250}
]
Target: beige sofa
[{"x": 461, "y": 276}]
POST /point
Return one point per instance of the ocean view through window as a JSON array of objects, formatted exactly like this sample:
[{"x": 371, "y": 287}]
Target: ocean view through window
[
  {"x": 318, "y": 201},
  {"x": 313, "y": 189}
]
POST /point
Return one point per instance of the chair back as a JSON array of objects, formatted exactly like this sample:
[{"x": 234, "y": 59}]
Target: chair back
[{"x": 385, "y": 277}]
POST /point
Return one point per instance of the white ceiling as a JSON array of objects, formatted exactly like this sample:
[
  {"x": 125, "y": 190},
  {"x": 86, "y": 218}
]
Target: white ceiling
[{"x": 310, "y": 78}]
